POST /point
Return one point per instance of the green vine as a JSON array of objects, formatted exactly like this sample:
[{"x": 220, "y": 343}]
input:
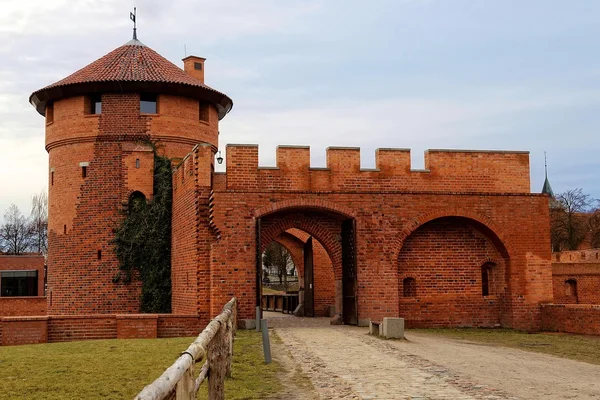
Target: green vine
[{"x": 143, "y": 242}]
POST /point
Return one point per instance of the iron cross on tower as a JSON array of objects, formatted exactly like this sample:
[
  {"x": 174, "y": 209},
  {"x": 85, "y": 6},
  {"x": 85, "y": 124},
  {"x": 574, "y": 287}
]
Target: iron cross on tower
[{"x": 132, "y": 17}]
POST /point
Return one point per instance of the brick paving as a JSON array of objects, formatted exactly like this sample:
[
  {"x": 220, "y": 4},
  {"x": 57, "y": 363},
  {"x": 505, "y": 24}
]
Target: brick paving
[{"x": 343, "y": 362}]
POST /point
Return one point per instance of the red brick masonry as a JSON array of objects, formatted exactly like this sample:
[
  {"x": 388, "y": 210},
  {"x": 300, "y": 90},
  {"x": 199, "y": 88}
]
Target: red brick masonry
[
  {"x": 65, "y": 328},
  {"x": 571, "y": 318}
]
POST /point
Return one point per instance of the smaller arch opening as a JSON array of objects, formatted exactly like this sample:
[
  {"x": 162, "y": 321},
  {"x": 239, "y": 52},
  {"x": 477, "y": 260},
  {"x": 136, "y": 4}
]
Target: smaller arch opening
[
  {"x": 409, "y": 287},
  {"x": 571, "y": 290},
  {"x": 137, "y": 201}
]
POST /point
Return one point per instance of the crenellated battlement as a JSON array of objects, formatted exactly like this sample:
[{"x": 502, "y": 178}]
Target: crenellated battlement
[{"x": 445, "y": 171}]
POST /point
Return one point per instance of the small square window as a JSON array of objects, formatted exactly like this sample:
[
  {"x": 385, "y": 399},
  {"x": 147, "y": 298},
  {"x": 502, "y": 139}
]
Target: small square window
[
  {"x": 148, "y": 104},
  {"x": 198, "y": 66},
  {"x": 95, "y": 104}
]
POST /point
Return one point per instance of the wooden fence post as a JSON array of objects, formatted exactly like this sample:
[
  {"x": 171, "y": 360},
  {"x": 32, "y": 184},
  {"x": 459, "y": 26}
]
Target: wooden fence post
[
  {"x": 186, "y": 387},
  {"x": 218, "y": 353}
]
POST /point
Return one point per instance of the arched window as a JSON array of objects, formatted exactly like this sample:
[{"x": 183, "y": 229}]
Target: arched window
[
  {"x": 410, "y": 287},
  {"x": 571, "y": 289},
  {"x": 137, "y": 200},
  {"x": 486, "y": 273}
]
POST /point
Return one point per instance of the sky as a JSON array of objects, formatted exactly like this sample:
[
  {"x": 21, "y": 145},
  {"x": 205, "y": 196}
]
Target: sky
[{"x": 419, "y": 74}]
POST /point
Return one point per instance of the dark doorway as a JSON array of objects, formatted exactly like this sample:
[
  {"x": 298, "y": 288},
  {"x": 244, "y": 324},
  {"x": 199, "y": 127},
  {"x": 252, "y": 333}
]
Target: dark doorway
[
  {"x": 309, "y": 290},
  {"x": 350, "y": 309}
]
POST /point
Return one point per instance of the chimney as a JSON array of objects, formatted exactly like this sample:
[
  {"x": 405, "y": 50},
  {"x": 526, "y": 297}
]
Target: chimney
[{"x": 194, "y": 66}]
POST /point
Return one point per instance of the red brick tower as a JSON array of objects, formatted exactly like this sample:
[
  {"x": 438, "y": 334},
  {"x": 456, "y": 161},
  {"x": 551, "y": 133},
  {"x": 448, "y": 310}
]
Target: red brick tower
[{"x": 99, "y": 122}]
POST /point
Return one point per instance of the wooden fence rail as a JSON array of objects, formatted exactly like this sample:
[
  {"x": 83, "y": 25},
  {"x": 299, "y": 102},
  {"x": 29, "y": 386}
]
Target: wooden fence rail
[{"x": 215, "y": 343}]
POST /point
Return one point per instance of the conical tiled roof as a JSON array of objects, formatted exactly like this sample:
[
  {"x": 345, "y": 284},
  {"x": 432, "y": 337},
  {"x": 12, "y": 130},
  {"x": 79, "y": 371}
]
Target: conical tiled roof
[{"x": 133, "y": 66}]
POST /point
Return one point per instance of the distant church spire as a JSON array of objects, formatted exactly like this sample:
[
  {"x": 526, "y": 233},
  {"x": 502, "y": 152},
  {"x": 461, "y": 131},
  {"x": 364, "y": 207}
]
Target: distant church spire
[
  {"x": 547, "y": 189},
  {"x": 132, "y": 17}
]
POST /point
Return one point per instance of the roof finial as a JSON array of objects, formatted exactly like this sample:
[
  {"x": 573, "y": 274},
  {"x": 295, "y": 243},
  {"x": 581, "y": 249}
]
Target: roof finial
[
  {"x": 132, "y": 17},
  {"x": 545, "y": 165}
]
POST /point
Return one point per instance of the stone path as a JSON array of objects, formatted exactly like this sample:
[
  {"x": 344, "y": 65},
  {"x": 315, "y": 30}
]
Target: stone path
[{"x": 344, "y": 362}]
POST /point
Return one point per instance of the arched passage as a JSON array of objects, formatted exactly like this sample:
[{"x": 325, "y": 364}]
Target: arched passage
[
  {"x": 458, "y": 271},
  {"x": 322, "y": 291},
  {"x": 331, "y": 231}
]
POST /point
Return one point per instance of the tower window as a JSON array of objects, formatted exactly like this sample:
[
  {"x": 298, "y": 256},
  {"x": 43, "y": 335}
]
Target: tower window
[
  {"x": 52, "y": 178},
  {"x": 50, "y": 113},
  {"x": 148, "y": 104},
  {"x": 137, "y": 162},
  {"x": 203, "y": 112},
  {"x": 99, "y": 254},
  {"x": 198, "y": 66},
  {"x": 65, "y": 229},
  {"x": 409, "y": 286},
  {"x": 95, "y": 105},
  {"x": 84, "y": 166}
]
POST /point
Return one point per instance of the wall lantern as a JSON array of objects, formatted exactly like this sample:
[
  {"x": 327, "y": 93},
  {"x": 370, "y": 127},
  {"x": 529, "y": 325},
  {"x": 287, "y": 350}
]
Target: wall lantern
[{"x": 219, "y": 157}]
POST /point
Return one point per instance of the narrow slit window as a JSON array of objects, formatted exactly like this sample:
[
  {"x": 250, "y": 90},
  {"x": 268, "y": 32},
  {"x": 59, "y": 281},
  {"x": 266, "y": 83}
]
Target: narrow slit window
[
  {"x": 84, "y": 171},
  {"x": 203, "y": 112},
  {"x": 148, "y": 104},
  {"x": 65, "y": 229},
  {"x": 486, "y": 270},
  {"x": 52, "y": 178},
  {"x": 99, "y": 254},
  {"x": 137, "y": 162}
]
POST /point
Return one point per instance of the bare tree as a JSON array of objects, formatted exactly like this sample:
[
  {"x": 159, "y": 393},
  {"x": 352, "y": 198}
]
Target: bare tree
[
  {"x": 594, "y": 224},
  {"x": 14, "y": 233},
  {"x": 277, "y": 256},
  {"x": 38, "y": 222},
  {"x": 569, "y": 219}
]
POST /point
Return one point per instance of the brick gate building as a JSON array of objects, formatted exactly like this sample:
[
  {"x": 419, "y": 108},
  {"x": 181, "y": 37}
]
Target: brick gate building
[{"x": 461, "y": 243}]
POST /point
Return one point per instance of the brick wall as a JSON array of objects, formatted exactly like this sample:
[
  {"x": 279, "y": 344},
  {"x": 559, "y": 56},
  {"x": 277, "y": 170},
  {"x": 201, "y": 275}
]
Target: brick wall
[
  {"x": 15, "y": 306},
  {"x": 24, "y": 330},
  {"x": 137, "y": 326},
  {"x": 445, "y": 257},
  {"x": 571, "y": 318},
  {"x": 576, "y": 277},
  {"x": 66, "y": 328},
  {"x": 488, "y": 189}
]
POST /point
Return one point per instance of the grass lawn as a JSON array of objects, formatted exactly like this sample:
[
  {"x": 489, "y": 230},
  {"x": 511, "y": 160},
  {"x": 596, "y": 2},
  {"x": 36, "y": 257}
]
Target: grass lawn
[
  {"x": 576, "y": 347},
  {"x": 119, "y": 369}
]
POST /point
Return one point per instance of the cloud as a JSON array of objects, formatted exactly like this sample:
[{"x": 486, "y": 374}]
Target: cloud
[{"x": 419, "y": 74}]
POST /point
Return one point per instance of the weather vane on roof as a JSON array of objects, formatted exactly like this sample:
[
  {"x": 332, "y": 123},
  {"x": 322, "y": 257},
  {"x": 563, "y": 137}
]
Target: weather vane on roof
[{"x": 132, "y": 17}]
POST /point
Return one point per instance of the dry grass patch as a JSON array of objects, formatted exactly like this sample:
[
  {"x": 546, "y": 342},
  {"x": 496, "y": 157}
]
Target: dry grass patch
[
  {"x": 119, "y": 369},
  {"x": 576, "y": 347}
]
